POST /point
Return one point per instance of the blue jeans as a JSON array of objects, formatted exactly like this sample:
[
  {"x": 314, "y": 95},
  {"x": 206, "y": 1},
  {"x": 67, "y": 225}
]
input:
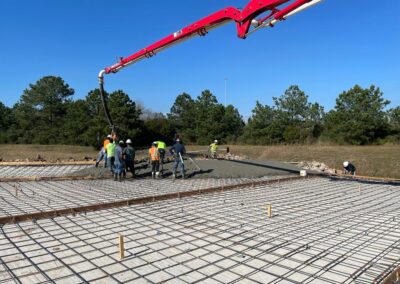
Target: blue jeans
[
  {"x": 176, "y": 164},
  {"x": 102, "y": 155},
  {"x": 110, "y": 162}
]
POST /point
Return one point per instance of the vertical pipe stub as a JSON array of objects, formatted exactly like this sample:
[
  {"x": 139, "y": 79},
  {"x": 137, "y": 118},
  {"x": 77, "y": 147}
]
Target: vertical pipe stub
[{"x": 121, "y": 247}]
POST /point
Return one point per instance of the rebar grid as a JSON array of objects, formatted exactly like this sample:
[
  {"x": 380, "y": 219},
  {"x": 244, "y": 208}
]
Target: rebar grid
[
  {"x": 40, "y": 171},
  {"x": 17, "y": 198},
  {"x": 321, "y": 231}
]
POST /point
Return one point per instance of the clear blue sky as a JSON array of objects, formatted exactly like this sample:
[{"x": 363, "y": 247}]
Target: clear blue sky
[{"x": 325, "y": 50}]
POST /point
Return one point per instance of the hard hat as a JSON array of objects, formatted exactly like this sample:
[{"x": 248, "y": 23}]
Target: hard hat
[
  {"x": 177, "y": 140},
  {"x": 128, "y": 141},
  {"x": 154, "y": 143},
  {"x": 121, "y": 142},
  {"x": 109, "y": 136},
  {"x": 345, "y": 164},
  {"x": 215, "y": 141}
]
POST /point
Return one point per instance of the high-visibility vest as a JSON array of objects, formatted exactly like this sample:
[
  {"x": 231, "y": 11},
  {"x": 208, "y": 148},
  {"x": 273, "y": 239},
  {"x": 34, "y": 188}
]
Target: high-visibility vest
[
  {"x": 105, "y": 143},
  {"x": 154, "y": 154},
  {"x": 214, "y": 147},
  {"x": 111, "y": 150},
  {"x": 161, "y": 145}
]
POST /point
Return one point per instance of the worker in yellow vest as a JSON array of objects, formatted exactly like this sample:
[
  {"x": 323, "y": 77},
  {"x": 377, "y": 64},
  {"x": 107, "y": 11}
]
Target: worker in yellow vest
[
  {"x": 154, "y": 159},
  {"x": 103, "y": 152},
  {"x": 213, "y": 148},
  {"x": 161, "y": 149},
  {"x": 111, "y": 155}
]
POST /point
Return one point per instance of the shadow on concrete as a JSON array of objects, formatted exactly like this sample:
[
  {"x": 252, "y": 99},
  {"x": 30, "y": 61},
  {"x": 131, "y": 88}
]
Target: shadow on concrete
[{"x": 270, "y": 165}]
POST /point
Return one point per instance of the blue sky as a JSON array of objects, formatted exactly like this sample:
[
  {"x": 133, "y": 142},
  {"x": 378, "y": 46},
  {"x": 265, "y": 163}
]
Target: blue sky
[{"x": 325, "y": 50}]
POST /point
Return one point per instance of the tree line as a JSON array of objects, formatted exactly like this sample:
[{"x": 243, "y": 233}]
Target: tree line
[{"x": 47, "y": 114}]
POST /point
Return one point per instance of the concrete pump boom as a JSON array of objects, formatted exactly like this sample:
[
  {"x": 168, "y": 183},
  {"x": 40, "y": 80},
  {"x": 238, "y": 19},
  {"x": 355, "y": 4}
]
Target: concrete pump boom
[{"x": 246, "y": 23}]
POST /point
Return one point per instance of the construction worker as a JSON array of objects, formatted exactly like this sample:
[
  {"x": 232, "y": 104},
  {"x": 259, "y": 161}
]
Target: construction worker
[
  {"x": 349, "y": 168},
  {"x": 119, "y": 161},
  {"x": 212, "y": 148},
  {"x": 111, "y": 154},
  {"x": 178, "y": 151},
  {"x": 161, "y": 149},
  {"x": 121, "y": 144},
  {"x": 103, "y": 152},
  {"x": 100, "y": 156},
  {"x": 154, "y": 159},
  {"x": 129, "y": 157}
]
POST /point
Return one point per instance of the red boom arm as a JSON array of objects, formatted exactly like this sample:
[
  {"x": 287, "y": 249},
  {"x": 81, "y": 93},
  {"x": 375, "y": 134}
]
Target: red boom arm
[{"x": 244, "y": 19}]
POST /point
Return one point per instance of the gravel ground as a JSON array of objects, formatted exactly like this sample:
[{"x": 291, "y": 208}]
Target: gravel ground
[{"x": 209, "y": 169}]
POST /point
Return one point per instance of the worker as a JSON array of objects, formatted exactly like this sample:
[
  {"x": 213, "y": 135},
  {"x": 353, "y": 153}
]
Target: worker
[
  {"x": 161, "y": 149},
  {"x": 178, "y": 151},
  {"x": 121, "y": 144},
  {"x": 103, "y": 152},
  {"x": 154, "y": 159},
  {"x": 349, "y": 168},
  {"x": 212, "y": 148},
  {"x": 129, "y": 157},
  {"x": 119, "y": 161},
  {"x": 111, "y": 154},
  {"x": 100, "y": 157}
]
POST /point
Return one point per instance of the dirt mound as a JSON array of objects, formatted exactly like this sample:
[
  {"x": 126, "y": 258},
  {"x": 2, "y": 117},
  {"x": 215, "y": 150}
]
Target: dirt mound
[{"x": 316, "y": 166}]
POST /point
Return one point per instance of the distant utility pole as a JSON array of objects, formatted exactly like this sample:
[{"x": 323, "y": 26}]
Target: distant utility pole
[{"x": 225, "y": 79}]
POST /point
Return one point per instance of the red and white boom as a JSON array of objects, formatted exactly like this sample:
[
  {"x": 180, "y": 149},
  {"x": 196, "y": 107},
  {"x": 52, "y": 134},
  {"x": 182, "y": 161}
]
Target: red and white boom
[{"x": 246, "y": 23}]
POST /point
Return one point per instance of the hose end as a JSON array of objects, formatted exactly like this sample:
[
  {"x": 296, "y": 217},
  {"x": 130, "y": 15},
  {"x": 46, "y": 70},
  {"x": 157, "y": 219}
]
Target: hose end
[{"x": 101, "y": 76}]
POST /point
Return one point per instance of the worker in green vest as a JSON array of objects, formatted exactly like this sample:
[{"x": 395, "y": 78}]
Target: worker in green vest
[
  {"x": 111, "y": 154},
  {"x": 213, "y": 149},
  {"x": 161, "y": 149}
]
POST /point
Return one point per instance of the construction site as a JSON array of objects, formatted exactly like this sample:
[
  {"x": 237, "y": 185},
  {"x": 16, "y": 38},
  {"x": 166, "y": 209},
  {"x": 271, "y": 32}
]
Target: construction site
[
  {"x": 274, "y": 226},
  {"x": 222, "y": 219}
]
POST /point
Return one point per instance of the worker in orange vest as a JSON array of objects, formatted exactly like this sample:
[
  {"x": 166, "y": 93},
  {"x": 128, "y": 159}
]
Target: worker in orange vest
[
  {"x": 154, "y": 160},
  {"x": 103, "y": 152}
]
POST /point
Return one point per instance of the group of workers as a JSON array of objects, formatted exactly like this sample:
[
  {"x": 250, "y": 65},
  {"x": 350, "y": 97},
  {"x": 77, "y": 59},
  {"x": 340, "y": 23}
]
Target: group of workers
[
  {"x": 157, "y": 155},
  {"x": 119, "y": 157}
]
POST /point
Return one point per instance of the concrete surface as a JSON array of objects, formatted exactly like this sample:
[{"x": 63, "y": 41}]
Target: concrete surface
[{"x": 211, "y": 169}]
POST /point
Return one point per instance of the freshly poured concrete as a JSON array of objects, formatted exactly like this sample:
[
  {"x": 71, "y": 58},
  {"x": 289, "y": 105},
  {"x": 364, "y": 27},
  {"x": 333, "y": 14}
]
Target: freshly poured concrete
[{"x": 321, "y": 231}]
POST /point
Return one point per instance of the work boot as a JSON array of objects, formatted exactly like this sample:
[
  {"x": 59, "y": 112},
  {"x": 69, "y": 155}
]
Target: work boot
[
  {"x": 115, "y": 177},
  {"x": 157, "y": 175}
]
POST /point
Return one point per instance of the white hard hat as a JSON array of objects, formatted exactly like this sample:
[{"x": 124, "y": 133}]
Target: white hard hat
[
  {"x": 345, "y": 164},
  {"x": 121, "y": 142},
  {"x": 215, "y": 141},
  {"x": 128, "y": 141},
  {"x": 109, "y": 136}
]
